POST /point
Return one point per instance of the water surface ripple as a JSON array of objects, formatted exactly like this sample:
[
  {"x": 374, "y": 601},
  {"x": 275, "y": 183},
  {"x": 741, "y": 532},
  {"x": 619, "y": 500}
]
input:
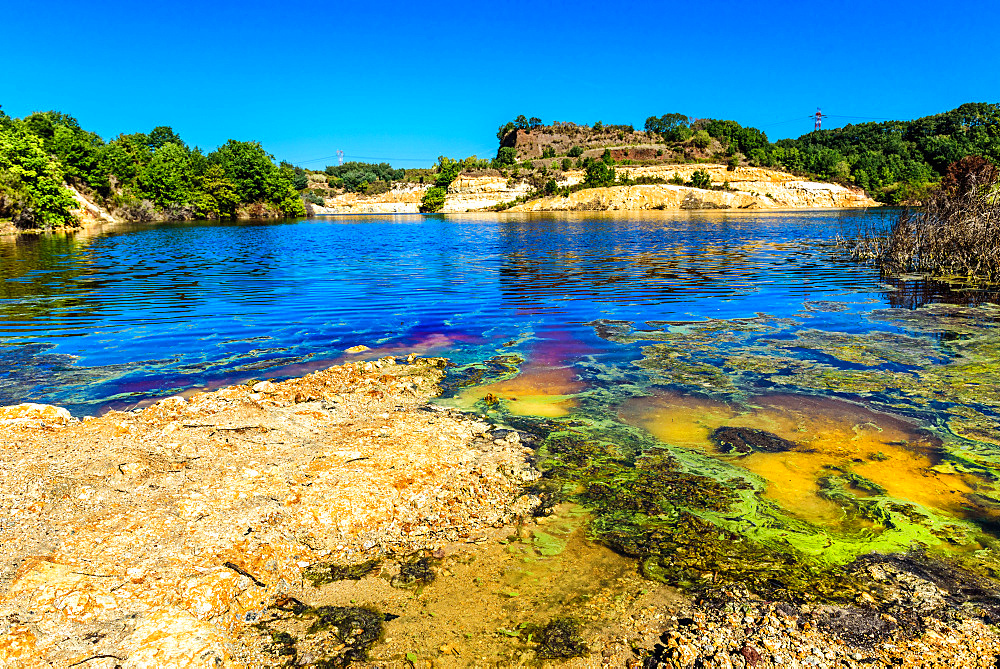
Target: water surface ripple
[{"x": 112, "y": 319}]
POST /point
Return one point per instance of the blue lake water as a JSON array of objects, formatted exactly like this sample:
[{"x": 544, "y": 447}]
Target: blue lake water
[{"x": 110, "y": 320}]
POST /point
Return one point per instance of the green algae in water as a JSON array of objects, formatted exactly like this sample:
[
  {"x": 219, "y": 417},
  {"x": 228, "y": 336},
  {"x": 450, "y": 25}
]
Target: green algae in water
[{"x": 700, "y": 519}]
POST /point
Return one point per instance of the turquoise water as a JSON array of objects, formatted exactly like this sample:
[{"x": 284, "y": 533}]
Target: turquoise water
[{"x": 92, "y": 322}]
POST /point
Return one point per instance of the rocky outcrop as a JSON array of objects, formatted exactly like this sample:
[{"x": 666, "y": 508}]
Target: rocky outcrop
[
  {"x": 152, "y": 538},
  {"x": 748, "y": 188},
  {"x": 89, "y": 212},
  {"x": 561, "y": 137}
]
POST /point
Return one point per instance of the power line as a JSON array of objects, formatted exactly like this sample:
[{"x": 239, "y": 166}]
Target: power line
[
  {"x": 869, "y": 118},
  {"x": 381, "y": 158}
]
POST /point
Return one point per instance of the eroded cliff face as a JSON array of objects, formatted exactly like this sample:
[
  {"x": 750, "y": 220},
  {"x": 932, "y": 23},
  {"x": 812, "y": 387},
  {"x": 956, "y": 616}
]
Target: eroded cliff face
[{"x": 749, "y": 188}]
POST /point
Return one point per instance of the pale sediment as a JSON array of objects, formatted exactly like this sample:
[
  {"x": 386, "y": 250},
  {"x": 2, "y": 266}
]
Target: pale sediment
[
  {"x": 152, "y": 538},
  {"x": 748, "y": 188}
]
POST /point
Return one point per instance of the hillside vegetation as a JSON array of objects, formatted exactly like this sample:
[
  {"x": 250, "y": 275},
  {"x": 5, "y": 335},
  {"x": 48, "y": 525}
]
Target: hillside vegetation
[
  {"x": 894, "y": 161},
  {"x": 141, "y": 176}
]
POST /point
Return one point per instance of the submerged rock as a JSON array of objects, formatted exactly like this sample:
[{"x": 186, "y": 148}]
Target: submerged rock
[{"x": 749, "y": 440}]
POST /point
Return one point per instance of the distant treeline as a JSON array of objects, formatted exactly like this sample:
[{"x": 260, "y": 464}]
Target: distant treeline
[
  {"x": 894, "y": 161},
  {"x": 139, "y": 176}
]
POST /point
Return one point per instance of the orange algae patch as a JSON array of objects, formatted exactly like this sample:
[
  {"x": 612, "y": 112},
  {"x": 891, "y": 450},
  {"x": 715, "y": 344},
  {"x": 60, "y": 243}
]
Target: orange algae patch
[
  {"x": 538, "y": 390},
  {"x": 835, "y": 437}
]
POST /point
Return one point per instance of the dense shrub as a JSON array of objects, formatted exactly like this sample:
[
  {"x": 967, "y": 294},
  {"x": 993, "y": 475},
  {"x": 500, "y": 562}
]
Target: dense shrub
[
  {"x": 31, "y": 182},
  {"x": 433, "y": 200},
  {"x": 701, "y": 179}
]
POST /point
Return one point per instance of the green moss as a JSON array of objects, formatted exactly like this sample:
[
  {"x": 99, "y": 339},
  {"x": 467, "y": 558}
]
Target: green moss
[
  {"x": 698, "y": 520},
  {"x": 494, "y": 369},
  {"x": 283, "y": 645}
]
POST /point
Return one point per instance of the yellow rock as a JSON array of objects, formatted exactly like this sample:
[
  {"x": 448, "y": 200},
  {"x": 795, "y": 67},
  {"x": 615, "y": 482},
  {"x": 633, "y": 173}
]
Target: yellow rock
[{"x": 42, "y": 414}]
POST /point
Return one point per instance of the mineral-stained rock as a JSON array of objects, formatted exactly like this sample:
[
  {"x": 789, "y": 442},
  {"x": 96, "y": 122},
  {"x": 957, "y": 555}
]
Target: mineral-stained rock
[
  {"x": 151, "y": 538},
  {"x": 749, "y": 440},
  {"x": 36, "y": 414}
]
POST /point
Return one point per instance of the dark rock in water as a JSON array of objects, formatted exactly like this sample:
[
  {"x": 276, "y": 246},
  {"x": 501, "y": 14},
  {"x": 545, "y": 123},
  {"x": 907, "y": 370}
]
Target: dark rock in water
[
  {"x": 414, "y": 572},
  {"x": 748, "y": 440},
  {"x": 561, "y": 638},
  {"x": 857, "y": 626}
]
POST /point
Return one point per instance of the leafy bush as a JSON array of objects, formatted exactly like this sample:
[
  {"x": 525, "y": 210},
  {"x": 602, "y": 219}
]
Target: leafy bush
[
  {"x": 701, "y": 139},
  {"x": 567, "y": 164},
  {"x": 433, "y": 200},
  {"x": 353, "y": 174},
  {"x": 575, "y": 152},
  {"x": 506, "y": 155},
  {"x": 448, "y": 171},
  {"x": 599, "y": 173},
  {"x": 548, "y": 152},
  {"x": 701, "y": 179}
]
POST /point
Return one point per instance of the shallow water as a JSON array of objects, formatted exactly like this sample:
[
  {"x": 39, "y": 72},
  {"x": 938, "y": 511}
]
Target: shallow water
[{"x": 675, "y": 323}]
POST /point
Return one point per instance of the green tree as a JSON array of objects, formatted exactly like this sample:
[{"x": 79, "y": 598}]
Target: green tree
[
  {"x": 506, "y": 155},
  {"x": 162, "y": 135},
  {"x": 668, "y": 126},
  {"x": 166, "y": 180},
  {"x": 433, "y": 200},
  {"x": 125, "y": 156},
  {"x": 247, "y": 165},
  {"x": 701, "y": 139},
  {"x": 599, "y": 173},
  {"x": 31, "y": 183},
  {"x": 448, "y": 171},
  {"x": 216, "y": 195}
]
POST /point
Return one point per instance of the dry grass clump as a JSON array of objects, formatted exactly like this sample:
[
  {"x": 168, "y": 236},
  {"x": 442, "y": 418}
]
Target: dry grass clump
[{"x": 957, "y": 233}]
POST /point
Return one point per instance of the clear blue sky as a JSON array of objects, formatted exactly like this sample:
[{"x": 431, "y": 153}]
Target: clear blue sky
[{"x": 406, "y": 81}]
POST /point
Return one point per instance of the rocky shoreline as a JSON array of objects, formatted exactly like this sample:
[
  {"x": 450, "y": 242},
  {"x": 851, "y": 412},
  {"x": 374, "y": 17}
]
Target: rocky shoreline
[
  {"x": 339, "y": 519},
  {"x": 151, "y": 538}
]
